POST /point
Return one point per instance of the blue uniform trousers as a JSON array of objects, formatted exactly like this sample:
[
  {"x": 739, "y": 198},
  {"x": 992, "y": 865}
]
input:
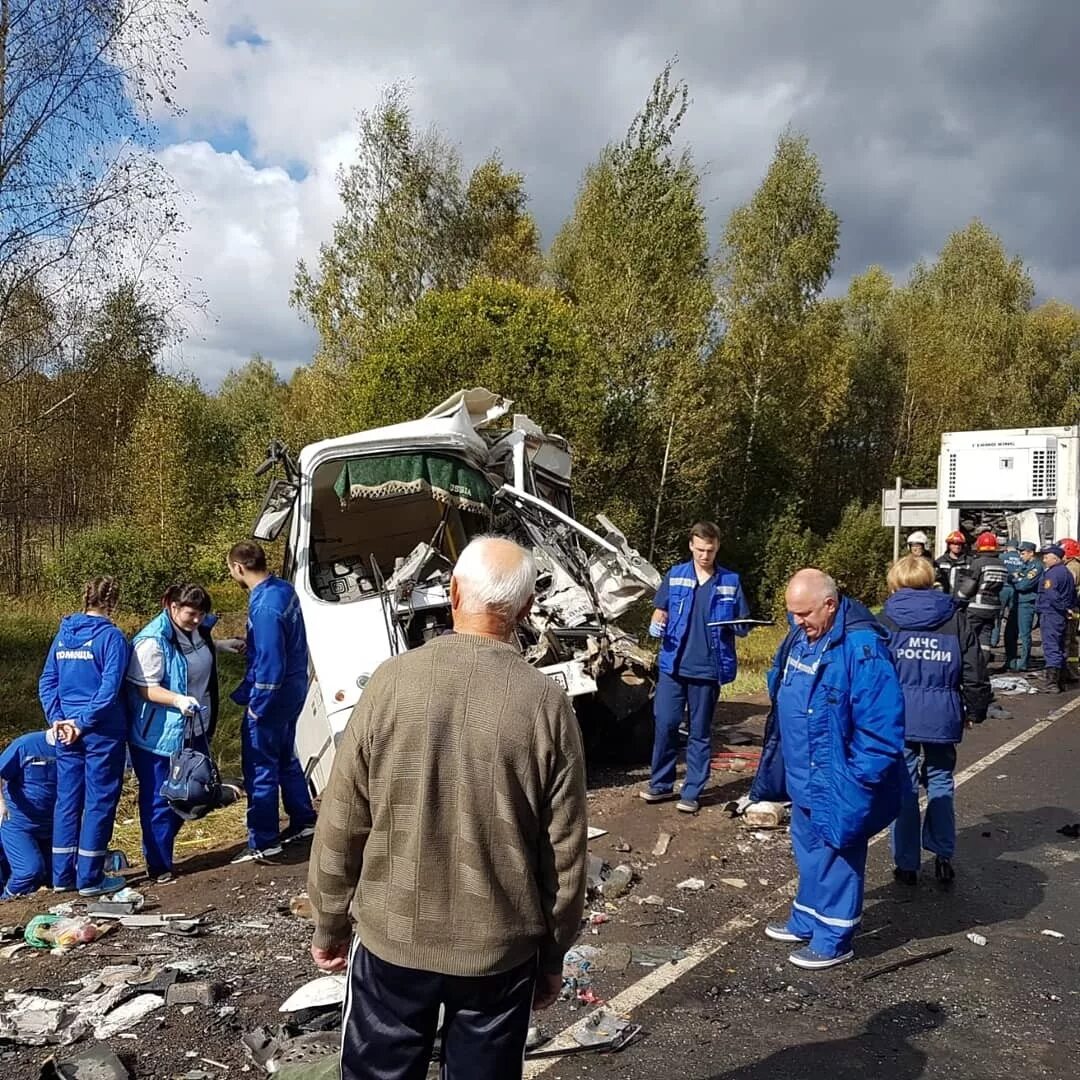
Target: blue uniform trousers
[
  {"x": 271, "y": 766},
  {"x": 391, "y": 1015},
  {"x": 1008, "y": 600},
  {"x": 933, "y": 764},
  {"x": 157, "y": 822},
  {"x": 1025, "y": 624},
  {"x": 1054, "y": 627},
  {"x": 827, "y": 908},
  {"x": 27, "y": 850},
  {"x": 674, "y": 695},
  {"x": 89, "y": 776}
]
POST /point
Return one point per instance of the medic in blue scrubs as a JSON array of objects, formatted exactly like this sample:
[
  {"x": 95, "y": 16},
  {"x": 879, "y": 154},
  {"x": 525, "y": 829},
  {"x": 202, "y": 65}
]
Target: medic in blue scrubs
[
  {"x": 27, "y": 798},
  {"x": 834, "y": 747},
  {"x": 80, "y": 691},
  {"x": 695, "y": 660},
  {"x": 272, "y": 693}
]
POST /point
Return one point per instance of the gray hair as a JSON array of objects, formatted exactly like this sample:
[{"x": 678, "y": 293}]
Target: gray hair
[{"x": 495, "y": 574}]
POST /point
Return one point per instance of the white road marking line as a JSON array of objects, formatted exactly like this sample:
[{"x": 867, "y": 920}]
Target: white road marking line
[{"x": 648, "y": 986}]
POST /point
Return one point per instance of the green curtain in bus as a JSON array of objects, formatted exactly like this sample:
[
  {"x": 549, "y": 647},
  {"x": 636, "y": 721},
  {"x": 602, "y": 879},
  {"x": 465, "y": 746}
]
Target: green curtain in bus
[{"x": 446, "y": 479}]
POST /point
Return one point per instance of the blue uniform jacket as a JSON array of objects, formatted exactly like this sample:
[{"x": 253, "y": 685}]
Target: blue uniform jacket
[
  {"x": 1026, "y": 581},
  {"x": 84, "y": 676},
  {"x": 156, "y": 727},
  {"x": 1057, "y": 591},
  {"x": 939, "y": 663},
  {"x": 856, "y": 737},
  {"x": 728, "y": 602},
  {"x": 28, "y": 769},
  {"x": 276, "y": 649}
]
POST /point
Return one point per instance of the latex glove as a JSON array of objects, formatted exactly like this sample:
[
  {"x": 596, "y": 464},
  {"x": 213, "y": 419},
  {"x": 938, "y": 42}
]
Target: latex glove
[
  {"x": 4, "y": 815},
  {"x": 656, "y": 629},
  {"x": 186, "y": 705}
]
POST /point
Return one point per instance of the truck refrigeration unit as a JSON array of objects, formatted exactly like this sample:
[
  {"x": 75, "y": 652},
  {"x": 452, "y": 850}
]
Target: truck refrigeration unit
[
  {"x": 374, "y": 522},
  {"x": 1022, "y": 483}
]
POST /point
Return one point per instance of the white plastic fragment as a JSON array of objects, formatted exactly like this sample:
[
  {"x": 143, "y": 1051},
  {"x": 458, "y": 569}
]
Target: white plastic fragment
[
  {"x": 128, "y": 1015},
  {"x": 317, "y": 994},
  {"x": 976, "y": 939},
  {"x": 1052, "y": 933},
  {"x": 691, "y": 884}
]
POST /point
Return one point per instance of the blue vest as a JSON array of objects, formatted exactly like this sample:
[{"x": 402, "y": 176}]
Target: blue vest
[
  {"x": 681, "y": 582},
  {"x": 159, "y": 728}
]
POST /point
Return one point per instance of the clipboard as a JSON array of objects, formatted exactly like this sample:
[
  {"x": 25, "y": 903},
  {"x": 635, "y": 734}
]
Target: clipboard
[{"x": 743, "y": 622}]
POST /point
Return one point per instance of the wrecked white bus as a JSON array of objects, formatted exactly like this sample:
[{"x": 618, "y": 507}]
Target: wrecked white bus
[{"x": 374, "y": 523}]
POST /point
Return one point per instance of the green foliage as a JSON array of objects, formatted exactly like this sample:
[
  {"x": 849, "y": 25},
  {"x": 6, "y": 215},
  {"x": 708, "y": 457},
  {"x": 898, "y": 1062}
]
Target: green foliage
[
  {"x": 24, "y": 640},
  {"x": 789, "y": 547},
  {"x": 857, "y": 552},
  {"x": 118, "y": 549}
]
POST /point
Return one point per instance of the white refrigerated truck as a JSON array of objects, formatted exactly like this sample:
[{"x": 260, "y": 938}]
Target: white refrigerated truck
[{"x": 1022, "y": 483}]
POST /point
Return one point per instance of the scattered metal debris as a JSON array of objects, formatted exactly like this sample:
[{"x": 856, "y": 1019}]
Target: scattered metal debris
[
  {"x": 661, "y": 845},
  {"x": 908, "y": 961},
  {"x": 692, "y": 884}
]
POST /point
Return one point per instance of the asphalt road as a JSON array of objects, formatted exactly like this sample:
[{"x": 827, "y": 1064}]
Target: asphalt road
[{"x": 1010, "y": 1008}]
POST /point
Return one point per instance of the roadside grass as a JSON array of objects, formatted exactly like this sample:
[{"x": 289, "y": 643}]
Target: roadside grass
[{"x": 756, "y": 652}]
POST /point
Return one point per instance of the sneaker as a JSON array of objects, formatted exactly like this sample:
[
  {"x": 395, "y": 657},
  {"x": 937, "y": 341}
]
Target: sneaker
[
  {"x": 257, "y": 855},
  {"x": 652, "y": 796},
  {"x": 290, "y": 836},
  {"x": 104, "y": 886},
  {"x": 63, "y": 888},
  {"x": 944, "y": 872},
  {"x": 779, "y": 931},
  {"x": 809, "y": 958},
  {"x": 166, "y": 878},
  {"x": 688, "y": 806},
  {"x": 906, "y": 877}
]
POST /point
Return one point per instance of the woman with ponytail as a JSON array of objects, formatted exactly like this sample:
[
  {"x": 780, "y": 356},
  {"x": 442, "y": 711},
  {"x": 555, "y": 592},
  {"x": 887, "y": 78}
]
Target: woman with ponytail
[
  {"x": 80, "y": 691},
  {"x": 173, "y": 697}
]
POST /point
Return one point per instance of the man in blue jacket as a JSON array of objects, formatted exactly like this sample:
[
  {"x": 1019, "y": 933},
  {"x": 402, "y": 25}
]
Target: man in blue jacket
[
  {"x": 697, "y": 657},
  {"x": 1018, "y": 629},
  {"x": 834, "y": 745},
  {"x": 1055, "y": 604},
  {"x": 27, "y": 798},
  {"x": 272, "y": 694}
]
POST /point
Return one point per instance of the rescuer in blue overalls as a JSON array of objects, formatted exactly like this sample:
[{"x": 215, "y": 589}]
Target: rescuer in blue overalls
[
  {"x": 1055, "y": 604},
  {"x": 80, "y": 691},
  {"x": 1019, "y": 627},
  {"x": 696, "y": 659},
  {"x": 272, "y": 693},
  {"x": 27, "y": 798},
  {"x": 1012, "y": 562},
  {"x": 834, "y": 748}
]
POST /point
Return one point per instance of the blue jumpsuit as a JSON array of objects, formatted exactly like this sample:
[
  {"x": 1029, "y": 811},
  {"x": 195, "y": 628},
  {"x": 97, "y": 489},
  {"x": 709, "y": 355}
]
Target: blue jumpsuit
[
  {"x": 28, "y": 772},
  {"x": 1021, "y": 621},
  {"x": 1056, "y": 598},
  {"x": 273, "y": 693},
  {"x": 1013, "y": 563},
  {"x": 81, "y": 682}
]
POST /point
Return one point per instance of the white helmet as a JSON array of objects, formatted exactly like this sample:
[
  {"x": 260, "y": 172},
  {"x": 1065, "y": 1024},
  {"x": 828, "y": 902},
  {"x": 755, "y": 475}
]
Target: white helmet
[{"x": 918, "y": 538}]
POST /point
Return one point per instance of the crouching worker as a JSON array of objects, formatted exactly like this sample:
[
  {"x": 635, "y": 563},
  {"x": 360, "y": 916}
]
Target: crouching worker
[
  {"x": 27, "y": 798},
  {"x": 173, "y": 696},
  {"x": 834, "y": 744},
  {"x": 81, "y": 692}
]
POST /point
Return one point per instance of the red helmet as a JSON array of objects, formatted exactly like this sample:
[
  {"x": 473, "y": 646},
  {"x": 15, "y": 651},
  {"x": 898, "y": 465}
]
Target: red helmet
[
  {"x": 956, "y": 537},
  {"x": 986, "y": 541},
  {"x": 1070, "y": 547}
]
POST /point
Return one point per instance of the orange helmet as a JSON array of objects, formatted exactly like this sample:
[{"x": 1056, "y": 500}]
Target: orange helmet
[
  {"x": 956, "y": 537},
  {"x": 1070, "y": 547},
  {"x": 986, "y": 541}
]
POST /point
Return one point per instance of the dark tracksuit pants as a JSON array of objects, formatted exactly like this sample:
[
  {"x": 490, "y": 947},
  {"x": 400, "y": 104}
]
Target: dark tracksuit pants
[{"x": 391, "y": 1018}]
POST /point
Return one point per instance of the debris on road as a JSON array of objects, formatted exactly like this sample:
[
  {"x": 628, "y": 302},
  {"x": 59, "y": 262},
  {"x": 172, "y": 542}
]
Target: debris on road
[
  {"x": 908, "y": 961},
  {"x": 96, "y": 1063},
  {"x": 655, "y": 955},
  {"x": 691, "y": 884},
  {"x": 1011, "y": 684},
  {"x": 976, "y": 939},
  {"x": 300, "y": 906},
  {"x": 594, "y": 833},
  {"x": 604, "y": 1030},
  {"x": 734, "y": 882},
  {"x": 320, "y": 993},
  {"x": 652, "y": 901},
  {"x": 765, "y": 815},
  {"x": 617, "y": 881},
  {"x": 661, "y": 845},
  {"x": 1052, "y": 933},
  {"x": 1071, "y": 831}
]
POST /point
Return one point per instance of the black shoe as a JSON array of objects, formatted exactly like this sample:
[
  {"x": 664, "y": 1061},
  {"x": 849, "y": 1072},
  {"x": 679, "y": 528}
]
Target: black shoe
[
  {"x": 944, "y": 872},
  {"x": 1050, "y": 680},
  {"x": 906, "y": 877}
]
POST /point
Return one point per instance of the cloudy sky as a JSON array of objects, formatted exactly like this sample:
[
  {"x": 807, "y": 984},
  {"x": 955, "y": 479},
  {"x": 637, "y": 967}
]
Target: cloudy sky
[{"x": 923, "y": 113}]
